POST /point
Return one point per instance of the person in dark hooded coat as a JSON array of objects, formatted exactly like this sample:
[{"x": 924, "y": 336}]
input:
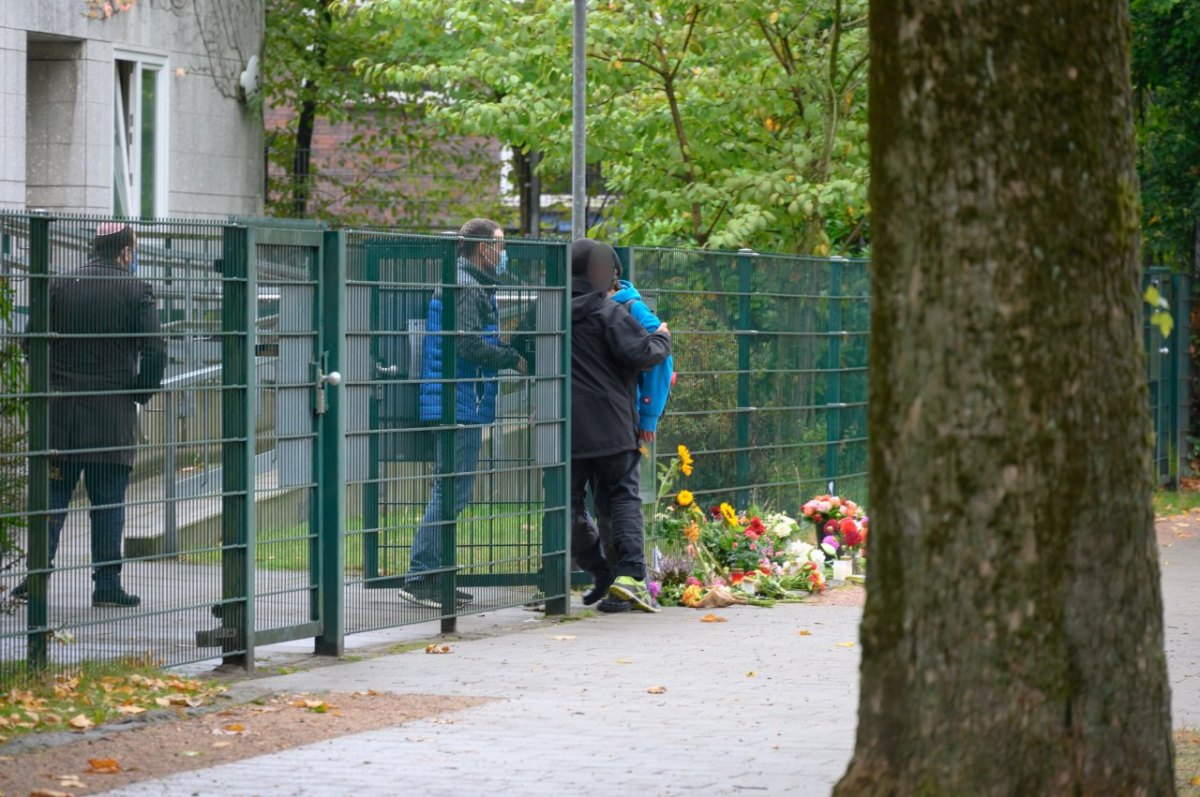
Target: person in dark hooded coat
[{"x": 609, "y": 349}]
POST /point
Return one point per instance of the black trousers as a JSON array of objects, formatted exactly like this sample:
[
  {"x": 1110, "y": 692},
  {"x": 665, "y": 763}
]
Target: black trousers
[{"x": 615, "y": 479}]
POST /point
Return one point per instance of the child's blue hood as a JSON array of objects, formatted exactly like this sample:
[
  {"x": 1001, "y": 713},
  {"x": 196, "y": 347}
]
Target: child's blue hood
[{"x": 628, "y": 293}]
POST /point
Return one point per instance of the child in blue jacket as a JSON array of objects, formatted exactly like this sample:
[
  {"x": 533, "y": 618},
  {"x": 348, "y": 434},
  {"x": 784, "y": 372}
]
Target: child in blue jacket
[{"x": 654, "y": 385}]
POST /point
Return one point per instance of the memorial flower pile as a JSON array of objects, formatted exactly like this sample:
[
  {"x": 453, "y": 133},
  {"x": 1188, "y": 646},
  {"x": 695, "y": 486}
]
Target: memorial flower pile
[{"x": 721, "y": 556}]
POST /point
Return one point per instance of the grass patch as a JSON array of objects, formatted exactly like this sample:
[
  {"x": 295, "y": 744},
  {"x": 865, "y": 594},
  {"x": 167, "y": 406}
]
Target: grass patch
[
  {"x": 96, "y": 693},
  {"x": 1187, "y": 762},
  {"x": 486, "y": 533},
  {"x": 1175, "y": 502}
]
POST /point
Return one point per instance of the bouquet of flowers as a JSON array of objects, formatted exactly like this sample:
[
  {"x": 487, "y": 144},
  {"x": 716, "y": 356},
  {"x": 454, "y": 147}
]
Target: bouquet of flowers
[{"x": 839, "y": 523}]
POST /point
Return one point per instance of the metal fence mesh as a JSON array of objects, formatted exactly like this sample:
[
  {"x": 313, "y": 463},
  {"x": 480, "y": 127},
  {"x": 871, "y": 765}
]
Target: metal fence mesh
[
  {"x": 770, "y": 354},
  {"x": 256, "y": 499}
]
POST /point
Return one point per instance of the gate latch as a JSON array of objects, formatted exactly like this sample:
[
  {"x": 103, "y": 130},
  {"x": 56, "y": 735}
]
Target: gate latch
[{"x": 323, "y": 378}]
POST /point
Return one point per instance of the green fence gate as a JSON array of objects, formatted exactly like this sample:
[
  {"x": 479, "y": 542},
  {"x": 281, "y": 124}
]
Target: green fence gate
[{"x": 508, "y": 545}]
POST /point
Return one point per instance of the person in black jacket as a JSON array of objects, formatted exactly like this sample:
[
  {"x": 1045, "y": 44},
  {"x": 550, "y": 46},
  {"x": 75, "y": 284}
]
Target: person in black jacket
[
  {"x": 609, "y": 348},
  {"x": 107, "y": 355}
]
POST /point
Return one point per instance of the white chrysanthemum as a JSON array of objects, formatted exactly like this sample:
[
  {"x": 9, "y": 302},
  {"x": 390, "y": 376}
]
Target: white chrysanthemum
[{"x": 817, "y": 556}]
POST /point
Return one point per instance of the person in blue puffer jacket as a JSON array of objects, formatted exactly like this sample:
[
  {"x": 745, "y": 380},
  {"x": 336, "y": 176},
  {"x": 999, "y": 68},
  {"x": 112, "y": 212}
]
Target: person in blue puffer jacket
[
  {"x": 481, "y": 356},
  {"x": 654, "y": 385}
]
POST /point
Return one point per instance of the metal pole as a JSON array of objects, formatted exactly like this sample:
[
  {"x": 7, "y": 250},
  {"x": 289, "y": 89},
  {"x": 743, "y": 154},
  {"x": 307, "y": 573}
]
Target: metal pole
[
  {"x": 535, "y": 195},
  {"x": 579, "y": 128}
]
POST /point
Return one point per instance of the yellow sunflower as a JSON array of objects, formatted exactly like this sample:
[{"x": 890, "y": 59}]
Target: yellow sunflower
[
  {"x": 730, "y": 516},
  {"x": 685, "y": 456},
  {"x": 685, "y": 498},
  {"x": 686, "y": 469}
]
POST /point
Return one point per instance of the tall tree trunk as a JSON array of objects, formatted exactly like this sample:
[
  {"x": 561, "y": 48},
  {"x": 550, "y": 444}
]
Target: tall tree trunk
[
  {"x": 1012, "y": 641},
  {"x": 307, "y": 119}
]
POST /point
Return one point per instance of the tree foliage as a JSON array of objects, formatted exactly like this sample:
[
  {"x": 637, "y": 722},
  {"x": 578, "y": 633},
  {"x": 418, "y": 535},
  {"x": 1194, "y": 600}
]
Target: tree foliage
[
  {"x": 722, "y": 125},
  {"x": 1166, "y": 74},
  {"x": 342, "y": 147}
]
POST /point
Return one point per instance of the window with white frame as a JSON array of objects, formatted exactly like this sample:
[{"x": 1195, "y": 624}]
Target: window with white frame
[{"x": 140, "y": 135}]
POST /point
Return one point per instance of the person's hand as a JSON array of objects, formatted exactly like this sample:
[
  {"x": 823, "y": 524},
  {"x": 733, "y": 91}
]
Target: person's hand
[
  {"x": 662, "y": 328},
  {"x": 522, "y": 366},
  {"x": 645, "y": 435}
]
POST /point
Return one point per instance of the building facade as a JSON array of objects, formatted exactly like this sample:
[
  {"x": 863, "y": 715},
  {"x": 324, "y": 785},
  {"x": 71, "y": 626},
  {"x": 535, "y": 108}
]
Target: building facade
[{"x": 141, "y": 108}]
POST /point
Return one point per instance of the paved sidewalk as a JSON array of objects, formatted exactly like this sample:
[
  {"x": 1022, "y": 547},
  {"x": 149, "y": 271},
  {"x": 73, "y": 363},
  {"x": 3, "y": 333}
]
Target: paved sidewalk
[{"x": 752, "y": 707}]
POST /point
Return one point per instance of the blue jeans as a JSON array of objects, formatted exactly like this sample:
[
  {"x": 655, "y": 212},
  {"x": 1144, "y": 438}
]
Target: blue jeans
[
  {"x": 106, "y": 483},
  {"x": 427, "y": 544}
]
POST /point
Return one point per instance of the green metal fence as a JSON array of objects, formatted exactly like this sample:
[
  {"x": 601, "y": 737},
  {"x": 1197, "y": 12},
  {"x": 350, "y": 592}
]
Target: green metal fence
[
  {"x": 771, "y": 357},
  {"x": 1168, "y": 373},
  {"x": 282, "y": 484}
]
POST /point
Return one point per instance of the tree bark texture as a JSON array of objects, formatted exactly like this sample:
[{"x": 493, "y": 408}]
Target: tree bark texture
[{"x": 1012, "y": 640}]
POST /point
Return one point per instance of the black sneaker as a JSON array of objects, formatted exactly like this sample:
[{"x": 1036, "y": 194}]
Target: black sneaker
[
  {"x": 600, "y": 588},
  {"x": 426, "y": 593},
  {"x": 20, "y": 593},
  {"x": 115, "y": 597},
  {"x": 611, "y": 605}
]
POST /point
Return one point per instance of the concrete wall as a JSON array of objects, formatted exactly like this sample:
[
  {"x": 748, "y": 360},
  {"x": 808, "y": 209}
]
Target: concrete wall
[{"x": 57, "y": 67}]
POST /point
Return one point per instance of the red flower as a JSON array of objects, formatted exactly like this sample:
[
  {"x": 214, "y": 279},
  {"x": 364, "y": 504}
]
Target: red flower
[
  {"x": 832, "y": 527},
  {"x": 852, "y": 537},
  {"x": 736, "y": 577},
  {"x": 715, "y": 511},
  {"x": 848, "y": 524},
  {"x": 756, "y": 527}
]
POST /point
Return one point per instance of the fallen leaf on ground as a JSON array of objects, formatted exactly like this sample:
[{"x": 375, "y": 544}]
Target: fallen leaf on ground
[
  {"x": 752, "y": 674},
  {"x": 657, "y": 690},
  {"x": 437, "y": 648},
  {"x": 624, "y": 661},
  {"x": 71, "y": 782},
  {"x": 50, "y": 793},
  {"x": 712, "y": 618},
  {"x": 805, "y": 632},
  {"x": 162, "y": 701},
  {"x": 80, "y": 722},
  {"x": 104, "y": 766},
  {"x": 563, "y": 637},
  {"x": 308, "y": 702},
  {"x": 130, "y": 710},
  {"x": 191, "y": 753},
  {"x": 222, "y": 744},
  {"x": 845, "y": 644}
]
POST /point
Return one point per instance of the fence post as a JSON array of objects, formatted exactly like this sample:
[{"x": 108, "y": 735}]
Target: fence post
[
  {"x": 556, "y": 534},
  {"x": 744, "y": 409},
  {"x": 833, "y": 394},
  {"x": 239, "y": 402},
  {"x": 38, "y": 420},
  {"x": 170, "y": 475},
  {"x": 331, "y": 448},
  {"x": 1181, "y": 290},
  {"x": 448, "y": 436}
]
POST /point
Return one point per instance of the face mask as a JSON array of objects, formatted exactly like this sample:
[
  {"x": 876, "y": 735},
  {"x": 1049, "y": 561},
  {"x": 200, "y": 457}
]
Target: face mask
[
  {"x": 133, "y": 263},
  {"x": 502, "y": 263}
]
